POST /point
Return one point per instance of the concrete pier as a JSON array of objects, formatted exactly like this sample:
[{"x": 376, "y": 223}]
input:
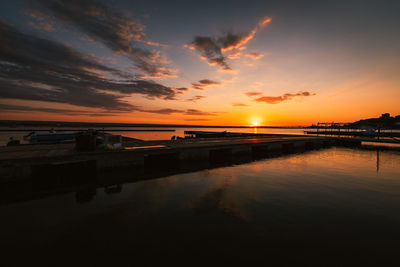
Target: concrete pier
[
  {"x": 32, "y": 172},
  {"x": 50, "y": 160}
]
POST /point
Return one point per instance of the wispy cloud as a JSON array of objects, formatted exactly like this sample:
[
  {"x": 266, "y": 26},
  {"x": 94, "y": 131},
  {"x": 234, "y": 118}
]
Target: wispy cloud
[
  {"x": 40, "y": 20},
  {"x": 68, "y": 112},
  {"x": 252, "y": 93},
  {"x": 254, "y": 55},
  {"x": 192, "y": 112},
  {"x": 196, "y": 98},
  {"x": 200, "y": 85},
  {"x": 114, "y": 29},
  {"x": 239, "y": 105},
  {"x": 278, "y": 99},
  {"x": 196, "y": 119},
  {"x": 217, "y": 50},
  {"x": 196, "y": 112}
]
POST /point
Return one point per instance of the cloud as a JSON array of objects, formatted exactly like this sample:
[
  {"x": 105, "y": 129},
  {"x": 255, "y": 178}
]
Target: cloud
[
  {"x": 40, "y": 20},
  {"x": 217, "y": 50},
  {"x": 239, "y": 105},
  {"x": 195, "y": 98},
  {"x": 163, "y": 111},
  {"x": 254, "y": 56},
  {"x": 197, "y": 112},
  {"x": 196, "y": 119},
  {"x": 252, "y": 93},
  {"x": 192, "y": 112},
  {"x": 116, "y": 30},
  {"x": 200, "y": 85},
  {"x": 209, "y": 51},
  {"x": 284, "y": 97},
  {"x": 182, "y": 89},
  {"x": 32, "y": 68},
  {"x": 68, "y": 112}
]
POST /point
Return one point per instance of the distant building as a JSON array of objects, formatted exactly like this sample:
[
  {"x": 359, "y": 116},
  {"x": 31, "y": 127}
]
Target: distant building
[
  {"x": 397, "y": 117},
  {"x": 385, "y": 116}
]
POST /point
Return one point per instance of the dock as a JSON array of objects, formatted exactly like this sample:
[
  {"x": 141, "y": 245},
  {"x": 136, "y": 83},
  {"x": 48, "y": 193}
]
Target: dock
[
  {"x": 36, "y": 171},
  {"x": 20, "y": 162},
  {"x": 347, "y": 130}
]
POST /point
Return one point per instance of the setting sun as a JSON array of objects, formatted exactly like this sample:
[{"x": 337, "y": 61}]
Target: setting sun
[{"x": 255, "y": 122}]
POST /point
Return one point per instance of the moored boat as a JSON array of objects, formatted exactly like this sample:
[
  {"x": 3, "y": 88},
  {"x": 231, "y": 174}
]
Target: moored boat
[
  {"x": 50, "y": 137},
  {"x": 203, "y": 134}
]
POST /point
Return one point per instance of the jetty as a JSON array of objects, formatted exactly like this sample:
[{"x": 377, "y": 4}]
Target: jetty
[
  {"x": 36, "y": 171},
  {"x": 19, "y": 162},
  {"x": 347, "y": 131}
]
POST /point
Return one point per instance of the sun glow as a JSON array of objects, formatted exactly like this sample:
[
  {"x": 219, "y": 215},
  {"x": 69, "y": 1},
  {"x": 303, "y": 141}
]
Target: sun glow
[{"x": 255, "y": 122}]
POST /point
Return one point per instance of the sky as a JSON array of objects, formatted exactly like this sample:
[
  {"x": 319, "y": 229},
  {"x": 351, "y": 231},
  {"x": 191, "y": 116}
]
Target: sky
[{"x": 275, "y": 63}]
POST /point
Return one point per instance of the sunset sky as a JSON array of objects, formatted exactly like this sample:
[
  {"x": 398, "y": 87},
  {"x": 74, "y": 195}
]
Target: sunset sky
[{"x": 234, "y": 63}]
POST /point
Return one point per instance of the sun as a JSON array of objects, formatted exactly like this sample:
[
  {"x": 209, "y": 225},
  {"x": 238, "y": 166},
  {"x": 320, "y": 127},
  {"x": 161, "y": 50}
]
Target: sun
[{"x": 255, "y": 122}]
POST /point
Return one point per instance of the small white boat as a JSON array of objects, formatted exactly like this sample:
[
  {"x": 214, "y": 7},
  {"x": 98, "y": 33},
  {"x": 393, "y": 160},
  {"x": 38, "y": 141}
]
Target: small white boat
[{"x": 50, "y": 137}]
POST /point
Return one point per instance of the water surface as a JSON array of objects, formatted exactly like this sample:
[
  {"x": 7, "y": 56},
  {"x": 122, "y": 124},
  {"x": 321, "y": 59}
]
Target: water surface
[{"x": 330, "y": 207}]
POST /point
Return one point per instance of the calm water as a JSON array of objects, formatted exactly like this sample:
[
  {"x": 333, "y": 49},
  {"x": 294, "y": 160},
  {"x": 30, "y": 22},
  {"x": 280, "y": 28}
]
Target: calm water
[{"x": 330, "y": 207}]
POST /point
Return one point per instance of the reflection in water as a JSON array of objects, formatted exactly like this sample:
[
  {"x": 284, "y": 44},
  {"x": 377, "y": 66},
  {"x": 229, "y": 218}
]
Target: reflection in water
[
  {"x": 320, "y": 208},
  {"x": 113, "y": 189},
  {"x": 85, "y": 195},
  {"x": 377, "y": 160}
]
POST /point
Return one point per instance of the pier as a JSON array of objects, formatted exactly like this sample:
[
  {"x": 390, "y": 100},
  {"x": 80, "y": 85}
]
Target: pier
[
  {"x": 346, "y": 131},
  {"x": 35, "y": 171},
  {"x": 20, "y": 162}
]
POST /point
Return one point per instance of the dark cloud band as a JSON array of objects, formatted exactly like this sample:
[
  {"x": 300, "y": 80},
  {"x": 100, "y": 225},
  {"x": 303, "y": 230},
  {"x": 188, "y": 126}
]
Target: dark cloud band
[{"x": 33, "y": 68}]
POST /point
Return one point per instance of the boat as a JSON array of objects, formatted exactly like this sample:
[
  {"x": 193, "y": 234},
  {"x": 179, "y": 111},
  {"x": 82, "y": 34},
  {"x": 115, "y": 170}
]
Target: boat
[
  {"x": 51, "y": 137},
  {"x": 203, "y": 134}
]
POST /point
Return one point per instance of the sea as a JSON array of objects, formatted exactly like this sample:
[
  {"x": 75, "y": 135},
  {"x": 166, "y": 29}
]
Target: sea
[{"x": 333, "y": 206}]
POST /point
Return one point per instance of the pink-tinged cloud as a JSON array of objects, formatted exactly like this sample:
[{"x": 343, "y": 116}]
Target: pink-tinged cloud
[
  {"x": 239, "y": 105},
  {"x": 218, "y": 50},
  {"x": 284, "y": 97},
  {"x": 236, "y": 53},
  {"x": 252, "y": 93},
  {"x": 254, "y": 55},
  {"x": 264, "y": 21},
  {"x": 236, "y": 42},
  {"x": 41, "y": 21}
]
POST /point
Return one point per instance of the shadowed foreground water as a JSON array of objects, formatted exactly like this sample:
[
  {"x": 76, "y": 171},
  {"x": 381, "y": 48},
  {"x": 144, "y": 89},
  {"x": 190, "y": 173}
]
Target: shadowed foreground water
[{"x": 331, "y": 207}]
